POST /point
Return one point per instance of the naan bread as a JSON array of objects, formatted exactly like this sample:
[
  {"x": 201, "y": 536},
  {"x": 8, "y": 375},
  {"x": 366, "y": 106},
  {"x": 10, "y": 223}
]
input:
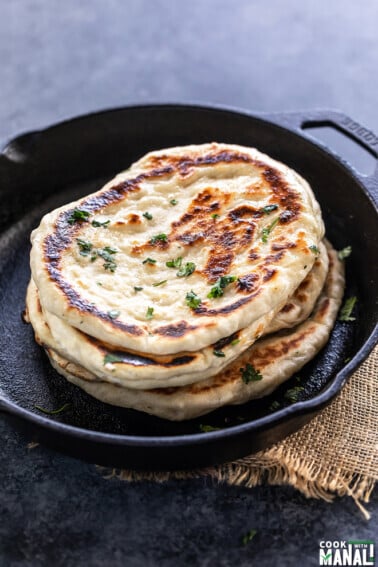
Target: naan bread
[
  {"x": 276, "y": 357},
  {"x": 228, "y": 210},
  {"x": 141, "y": 371}
]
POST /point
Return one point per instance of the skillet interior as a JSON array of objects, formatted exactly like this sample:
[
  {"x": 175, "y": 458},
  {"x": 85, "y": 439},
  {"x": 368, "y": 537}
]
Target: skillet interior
[{"x": 44, "y": 170}]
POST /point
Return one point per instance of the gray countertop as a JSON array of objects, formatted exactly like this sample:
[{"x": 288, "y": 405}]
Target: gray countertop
[{"x": 63, "y": 59}]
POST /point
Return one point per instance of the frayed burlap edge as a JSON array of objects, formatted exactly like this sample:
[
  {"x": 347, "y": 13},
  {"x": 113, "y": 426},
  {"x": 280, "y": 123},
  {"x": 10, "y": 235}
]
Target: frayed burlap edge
[{"x": 358, "y": 487}]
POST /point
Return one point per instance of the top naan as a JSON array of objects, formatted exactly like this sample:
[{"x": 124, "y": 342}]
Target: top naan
[{"x": 225, "y": 211}]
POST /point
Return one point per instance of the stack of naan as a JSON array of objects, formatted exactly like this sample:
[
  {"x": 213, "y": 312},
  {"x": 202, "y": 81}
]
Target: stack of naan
[{"x": 199, "y": 277}]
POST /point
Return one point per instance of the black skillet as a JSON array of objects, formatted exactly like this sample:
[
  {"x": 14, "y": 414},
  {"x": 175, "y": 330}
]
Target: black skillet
[{"x": 40, "y": 170}]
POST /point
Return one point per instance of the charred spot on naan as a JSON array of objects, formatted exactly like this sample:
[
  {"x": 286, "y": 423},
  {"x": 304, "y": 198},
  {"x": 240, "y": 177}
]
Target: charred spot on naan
[
  {"x": 253, "y": 255},
  {"x": 304, "y": 284},
  {"x": 286, "y": 196},
  {"x": 226, "y": 341},
  {"x": 218, "y": 265},
  {"x": 174, "y": 330},
  {"x": 269, "y": 274},
  {"x": 25, "y": 318},
  {"x": 277, "y": 246},
  {"x": 248, "y": 283},
  {"x": 135, "y": 359},
  {"x": 133, "y": 218},
  {"x": 251, "y": 282},
  {"x": 203, "y": 309},
  {"x": 287, "y": 308},
  {"x": 184, "y": 164},
  {"x": 322, "y": 309},
  {"x": 39, "y": 306}
]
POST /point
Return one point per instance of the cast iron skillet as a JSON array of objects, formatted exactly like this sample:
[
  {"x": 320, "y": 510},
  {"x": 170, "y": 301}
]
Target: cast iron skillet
[{"x": 41, "y": 170}]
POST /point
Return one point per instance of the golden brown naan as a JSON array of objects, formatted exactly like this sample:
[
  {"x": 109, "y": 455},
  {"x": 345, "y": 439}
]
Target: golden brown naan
[{"x": 100, "y": 263}]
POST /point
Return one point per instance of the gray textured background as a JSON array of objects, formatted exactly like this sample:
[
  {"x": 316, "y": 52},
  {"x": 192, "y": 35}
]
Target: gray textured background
[{"x": 62, "y": 59}]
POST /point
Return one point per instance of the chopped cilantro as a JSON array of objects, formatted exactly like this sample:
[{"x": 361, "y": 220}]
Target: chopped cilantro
[
  {"x": 110, "y": 250},
  {"x": 98, "y": 224},
  {"x": 269, "y": 208},
  {"x": 53, "y": 412},
  {"x": 85, "y": 247},
  {"x": 314, "y": 249},
  {"x": 113, "y": 314},
  {"x": 149, "y": 312},
  {"x": 159, "y": 283},
  {"x": 149, "y": 261},
  {"x": 207, "y": 428},
  {"x": 148, "y": 215},
  {"x": 266, "y": 231},
  {"x": 248, "y": 536},
  {"x": 275, "y": 405},
  {"x": 186, "y": 270},
  {"x": 107, "y": 254},
  {"x": 219, "y": 353},
  {"x": 174, "y": 263},
  {"x": 214, "y": 216},
  {"x": 137, "y": 288},
  {"x": 235, "y": 342},
  {"x": 220, "y": 284},
  {"x": 192, "y": 300},
  {"x": 344, "y": 253},
  {"x": 78, "y": 215},
  {"x": 110, "y": 358},
  {"x": 159, "y": 238},
  {"x": 250, "y": 374},
  {"x": 293, "y": 394},
  {"x": 173, "y": 202},
  {"x": 347, "y": 309}
]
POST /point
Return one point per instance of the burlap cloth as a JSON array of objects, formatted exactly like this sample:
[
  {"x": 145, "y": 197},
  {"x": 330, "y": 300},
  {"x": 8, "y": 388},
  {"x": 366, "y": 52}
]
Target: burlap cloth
[{"x": 336, "y": 454}]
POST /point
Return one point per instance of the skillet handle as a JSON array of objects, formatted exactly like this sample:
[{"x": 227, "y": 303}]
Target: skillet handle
[{"x": 299, "y": 121}]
